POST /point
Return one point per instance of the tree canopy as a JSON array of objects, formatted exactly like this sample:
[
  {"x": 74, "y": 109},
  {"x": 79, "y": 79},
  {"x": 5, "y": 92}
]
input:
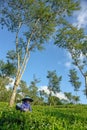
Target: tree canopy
[
  {"x": 33, "y": 22},
  {"x": 74, "y": 40}
]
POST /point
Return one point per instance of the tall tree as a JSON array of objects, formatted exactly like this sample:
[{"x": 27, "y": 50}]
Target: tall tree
[
  {"x": 74, "y": 80},
  {"x": 33, "y": 90},
  {"x": 4, "y": 81},
  {"x": 76, "y": 99},
  {"x": 43, "y": 95},
  {"x": 53, "y": 83},
  {"x": 75, "y": 41},
  {"x": 69, "y": 96},
  {"x": 33, "y": 22},
  {"x": 53, "y": 100}
]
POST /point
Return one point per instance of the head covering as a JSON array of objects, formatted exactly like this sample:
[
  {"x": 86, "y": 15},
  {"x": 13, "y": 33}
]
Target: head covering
[{"x": 27, "y": 98}]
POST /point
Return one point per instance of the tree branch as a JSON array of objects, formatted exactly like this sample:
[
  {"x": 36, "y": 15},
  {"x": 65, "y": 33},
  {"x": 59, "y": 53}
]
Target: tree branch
[
  {"x": 18, "y": 56},
  {"x": 27, "y": 54}
]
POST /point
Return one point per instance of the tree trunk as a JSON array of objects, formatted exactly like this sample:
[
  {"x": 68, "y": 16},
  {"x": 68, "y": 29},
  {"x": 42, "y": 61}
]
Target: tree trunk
[{"x": 13, "y": 96}]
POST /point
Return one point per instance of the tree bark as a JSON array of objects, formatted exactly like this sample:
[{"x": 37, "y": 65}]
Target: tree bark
[{"x": 13, "y": 96}]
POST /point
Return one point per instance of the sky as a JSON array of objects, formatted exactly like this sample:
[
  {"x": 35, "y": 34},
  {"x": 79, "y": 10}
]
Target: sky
[{"x": 52, "y": 58}]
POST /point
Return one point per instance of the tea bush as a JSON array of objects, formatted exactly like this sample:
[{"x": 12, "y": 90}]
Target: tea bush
[
  {"x": 16, "y": 120},
  {"x": 44, "y": 118}
]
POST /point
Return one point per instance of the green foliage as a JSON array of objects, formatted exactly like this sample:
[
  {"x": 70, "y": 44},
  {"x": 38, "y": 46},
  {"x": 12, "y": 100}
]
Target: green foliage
[
  {"x": 53, "y": 85},
  {"x": 39, "y": 18},
  {"x": 75, "y": 99},
  {"x": 54, "y": 81},
  {"x": 75, "y": 41},
  {"x": 53, "y": 100},
  {"x": 69, "y": 36},
  {"x": 35, "y": 16},
  {"x": 33, "y": 90},
  {"x": 44, "y": 118},
  {"x": 7, "y": 69},
  {"x": 34, "y": 22},
  {"x": 64, "y": 7},
  {"x": 22, "y": 91},
  {"x": 74, "y": 79}
]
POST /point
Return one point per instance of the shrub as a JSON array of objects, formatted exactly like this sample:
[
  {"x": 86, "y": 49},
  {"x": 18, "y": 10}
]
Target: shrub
[{"x": 44, "y": 118}]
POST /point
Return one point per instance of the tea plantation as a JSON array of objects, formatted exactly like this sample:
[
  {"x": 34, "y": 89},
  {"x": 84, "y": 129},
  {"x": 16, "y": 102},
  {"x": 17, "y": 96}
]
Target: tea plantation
[{"x": 68, "y": 117}]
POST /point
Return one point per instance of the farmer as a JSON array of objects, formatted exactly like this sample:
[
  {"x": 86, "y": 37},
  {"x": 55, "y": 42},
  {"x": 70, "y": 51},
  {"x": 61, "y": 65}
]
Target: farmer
[{"x": 25, "y": 106}]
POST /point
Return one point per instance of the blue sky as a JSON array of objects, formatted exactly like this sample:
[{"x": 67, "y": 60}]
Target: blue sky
[{"x": 52, "y": 58}]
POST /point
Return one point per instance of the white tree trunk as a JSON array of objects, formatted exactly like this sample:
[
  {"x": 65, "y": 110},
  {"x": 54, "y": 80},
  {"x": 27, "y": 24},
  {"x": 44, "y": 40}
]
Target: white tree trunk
[{"x": 13, "y": 96}]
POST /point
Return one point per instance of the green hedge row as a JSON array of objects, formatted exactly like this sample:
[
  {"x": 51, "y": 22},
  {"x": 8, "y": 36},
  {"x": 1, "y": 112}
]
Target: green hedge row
[
  {"x": 16, "y": 120},
  {"x": 44, "y": 118}
]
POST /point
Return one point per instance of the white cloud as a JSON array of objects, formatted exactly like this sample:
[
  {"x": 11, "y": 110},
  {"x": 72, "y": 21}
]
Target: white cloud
[
  {"x": 82, "y": 19},
  {"x": 81, "y": 57},
  {"x": 81, "y": 16},
  {"x": 45, "y": 89},
  {"x": 68, "y": 55},
  {"x": 59, "y": 95},
  {"x": 68, "y": 64}
]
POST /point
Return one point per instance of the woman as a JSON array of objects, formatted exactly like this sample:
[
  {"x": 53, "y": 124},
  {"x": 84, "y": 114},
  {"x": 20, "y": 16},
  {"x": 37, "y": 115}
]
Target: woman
[{"x": 25, "y": 106}]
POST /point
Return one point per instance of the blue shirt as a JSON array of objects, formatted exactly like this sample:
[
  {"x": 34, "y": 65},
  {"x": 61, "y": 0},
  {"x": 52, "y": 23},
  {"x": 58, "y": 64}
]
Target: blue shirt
[{"x": 25, "y": 106}]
